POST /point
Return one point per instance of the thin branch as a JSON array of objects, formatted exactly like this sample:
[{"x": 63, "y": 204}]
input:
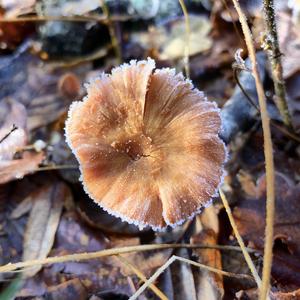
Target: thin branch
[
  {"x": 108, "y": 252},
  {"x": 112, "y": 31},
  {"x": 57, "y": 167},
  {"x": 240, "y": 240},
  {"x": 173, "y": 258},
  {"x": 187, "y": 39},
  {"x": 268, "y": 151},
  {"x": 274, "y": 54},
  {"x": 14, "y": 127},
  {"x": 142, "y": 277},
  {"x": 95, "y": 18},
  {"x": 283, "y": 130}
]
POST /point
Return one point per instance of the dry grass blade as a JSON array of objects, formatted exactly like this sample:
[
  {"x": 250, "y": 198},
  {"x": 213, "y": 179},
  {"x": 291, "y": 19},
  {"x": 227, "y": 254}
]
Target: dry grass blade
[
  {"x": 142, "y": 277},
  {"x": 101, "y": 18},
  {"x": 174, "y": 258},
  {"x": 268, "y": 151},
  {"x": 187, "y": 43},
  {"x": 112, "y": 32},
  {"x": 240, "y": 240},
  {"x": 108, "y": 252}
]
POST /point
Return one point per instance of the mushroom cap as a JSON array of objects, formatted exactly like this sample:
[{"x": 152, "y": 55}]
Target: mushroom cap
[{"x": 147, "y": 144}]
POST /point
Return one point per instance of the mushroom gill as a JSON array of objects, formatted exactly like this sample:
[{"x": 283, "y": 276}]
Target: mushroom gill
[{"x": 147, "y": 144}]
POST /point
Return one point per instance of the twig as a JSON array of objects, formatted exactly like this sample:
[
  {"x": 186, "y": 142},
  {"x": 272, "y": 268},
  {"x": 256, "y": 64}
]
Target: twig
[
  {"x": 108, "y": 252},
  {"x": 142, "y": 277},
  {"x": 274, "y": 54},
  {"x": 96, "y": 18},
  {"x": 14, "y": 127},
  {"x": 283, "y": 130},
  {"x": 187, "y": 39},
  {"x": 268, "y": 151},
  {"x": 240, "y": 240},
  {"x": 112, "y": 32},
  {"x": 56, "y": 167},
  {"x": 174, "y": 258}
]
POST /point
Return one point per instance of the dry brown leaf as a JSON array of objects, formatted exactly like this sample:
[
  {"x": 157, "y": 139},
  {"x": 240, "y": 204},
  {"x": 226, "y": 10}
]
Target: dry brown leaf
[
  {"x": 208, "y": 285},
  {"x": 22, "y": 208},
  {"x": 36, "y": 87},
  {"x": 145, "y": 262},
  {"x": 18, "y": 168},
  {"x": 43, "y": 222},
  {"x": 249, "y": 215},
  {"x": 171, "y": 43}
]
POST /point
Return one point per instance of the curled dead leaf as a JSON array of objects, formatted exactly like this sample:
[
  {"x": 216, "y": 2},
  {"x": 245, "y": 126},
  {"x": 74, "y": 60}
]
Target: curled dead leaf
[{"x": 43, "y": 222}]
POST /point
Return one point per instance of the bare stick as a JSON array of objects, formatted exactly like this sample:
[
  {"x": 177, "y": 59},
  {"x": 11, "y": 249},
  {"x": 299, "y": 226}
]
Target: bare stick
[
  {"x": 112, "y": 31},
  {"x": 240, "y": 240},
  {"x": 14, "y": 127},
  {"x": 91, "y": 18},
  {"x": 274, "y": 54},
  {"x": 141, "y": 276},
  {"x": 174, "y": 258},
  {"x": 282, "y": 129},
  {"x": 268, "y": 152},
  {"x": 108, "y": 252},
  {"x": 187, "y": 39}
]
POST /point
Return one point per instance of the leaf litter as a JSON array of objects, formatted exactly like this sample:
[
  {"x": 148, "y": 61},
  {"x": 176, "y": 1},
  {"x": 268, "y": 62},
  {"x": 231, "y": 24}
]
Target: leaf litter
[{"x": 46, "y": 213}]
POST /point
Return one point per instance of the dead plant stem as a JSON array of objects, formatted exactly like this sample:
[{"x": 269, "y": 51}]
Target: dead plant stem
[
  {"x": 108, "y": 252},
  {"x": 274, "y": 54},
  {"x": 268, "y": 152},
  {"x": 112, "y": 31},
  {"x": 240, "y": 240},
  {"x": 142, "y": 277},
  {"x": 187, "y": 39},
  {"x": 173, "y": 258}
]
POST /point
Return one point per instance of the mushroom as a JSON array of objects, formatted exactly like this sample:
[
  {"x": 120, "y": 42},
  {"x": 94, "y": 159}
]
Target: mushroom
[{"x": 147, "y": 144}]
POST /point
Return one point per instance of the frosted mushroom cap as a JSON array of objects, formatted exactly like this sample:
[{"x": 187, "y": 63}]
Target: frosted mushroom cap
[{"x": 147, "y": 144}]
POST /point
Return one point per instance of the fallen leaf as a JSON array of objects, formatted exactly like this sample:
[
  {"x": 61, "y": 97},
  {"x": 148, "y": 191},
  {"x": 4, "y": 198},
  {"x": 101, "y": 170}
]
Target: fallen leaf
[
  {"x": 170, "y": 39},
  {"x": 22, "y": 208},
  {"x": 184, "y": 283},
  {"x": 249, "y": 215},
  {"x": 147, "y": 263},
  {"x": 43, "y": 222},
  {"x": 71, "y": 289},
  {"x": 23, "y": 79},
  {"x": 18, "y": 168},
  {"x": 208, "y": 285}
]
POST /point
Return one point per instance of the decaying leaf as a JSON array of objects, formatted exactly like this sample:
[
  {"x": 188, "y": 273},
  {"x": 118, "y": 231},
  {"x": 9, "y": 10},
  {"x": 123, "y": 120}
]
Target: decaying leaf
[
  {"x": 208, "y": 285},
  {"x": 171, "y": 42},
  {"x": 96, "y": 276},
  {"x": 147, "y": 263},
  {"x": 43, "y": 222},
  {"x": 36, "y": 88},
  {"x": 18, "y": 168},
  {"x": 250, "y": 218}
]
